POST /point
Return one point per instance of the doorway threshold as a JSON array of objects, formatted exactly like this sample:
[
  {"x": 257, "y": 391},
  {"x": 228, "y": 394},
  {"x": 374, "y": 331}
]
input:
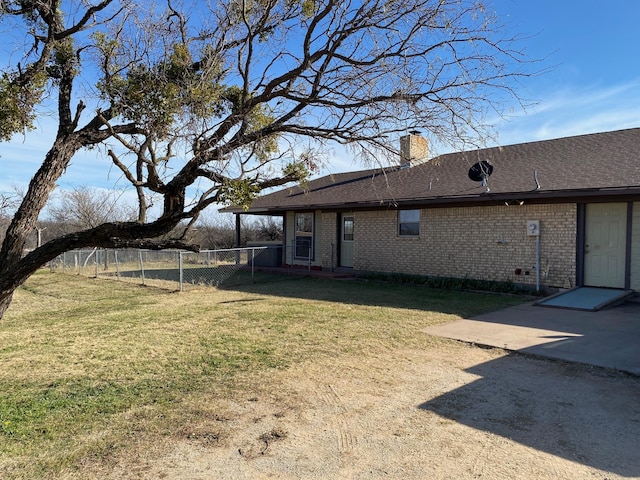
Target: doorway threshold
[{"x": 590, "y": 299}]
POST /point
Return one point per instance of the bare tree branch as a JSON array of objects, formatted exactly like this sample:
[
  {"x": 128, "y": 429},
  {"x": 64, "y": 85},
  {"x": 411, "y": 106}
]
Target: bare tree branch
[{"x": 208, "y": 106}]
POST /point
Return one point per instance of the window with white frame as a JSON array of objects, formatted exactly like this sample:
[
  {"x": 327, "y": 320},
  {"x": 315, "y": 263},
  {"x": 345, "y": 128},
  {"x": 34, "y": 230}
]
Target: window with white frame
[
  {"x": 408, "y": 223},
  {"x": 304, "y": 235}
]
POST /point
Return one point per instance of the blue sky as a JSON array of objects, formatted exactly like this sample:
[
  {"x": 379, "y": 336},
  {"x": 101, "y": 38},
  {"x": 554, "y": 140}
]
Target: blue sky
[
  {"x": 594, "y": 86},
  {"x": 595, "y": 83}
]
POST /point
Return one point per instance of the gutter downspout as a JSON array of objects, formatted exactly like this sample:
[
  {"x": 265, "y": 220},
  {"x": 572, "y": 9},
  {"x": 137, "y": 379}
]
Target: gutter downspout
[{"x": 538, "y": 263}]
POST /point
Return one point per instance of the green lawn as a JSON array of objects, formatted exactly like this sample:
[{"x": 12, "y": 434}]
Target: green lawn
[{"x": 92, "y": 367}]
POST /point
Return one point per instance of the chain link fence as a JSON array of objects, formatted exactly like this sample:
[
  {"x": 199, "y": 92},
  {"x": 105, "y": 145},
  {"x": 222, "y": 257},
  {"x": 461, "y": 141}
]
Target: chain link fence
[
  {"x": 172, "y": 269},
  {"x": 234, "y": 266}
]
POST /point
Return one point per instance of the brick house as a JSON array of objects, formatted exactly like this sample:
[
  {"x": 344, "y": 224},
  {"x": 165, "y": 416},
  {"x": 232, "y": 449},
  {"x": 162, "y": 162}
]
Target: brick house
[{"x": 556, "y": 213}]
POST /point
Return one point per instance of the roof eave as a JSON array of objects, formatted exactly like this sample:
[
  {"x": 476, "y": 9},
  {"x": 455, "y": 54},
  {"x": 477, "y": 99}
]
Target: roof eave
[{"x": 535, "y": 196}]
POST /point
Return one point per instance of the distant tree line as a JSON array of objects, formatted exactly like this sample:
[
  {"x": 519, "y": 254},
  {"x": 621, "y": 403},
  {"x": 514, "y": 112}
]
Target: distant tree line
[{"x": 83, "y": 207}]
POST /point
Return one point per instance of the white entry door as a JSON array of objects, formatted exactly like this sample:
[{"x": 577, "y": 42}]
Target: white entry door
[
  {"x": 346, "y": 241},
  {"x": 605, "y": 245}
]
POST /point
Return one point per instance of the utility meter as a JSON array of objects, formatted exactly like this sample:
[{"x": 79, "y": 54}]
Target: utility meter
[{"x": 533, "y": 228}]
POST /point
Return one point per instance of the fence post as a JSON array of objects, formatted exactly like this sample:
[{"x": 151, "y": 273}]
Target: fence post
[
  {"x": 141, "y": 265},
  {"x": 181, "y": 271},
  {"x": 115, "y": 259},
  {"x": 253, "y": 257},
  {"x": 97, "y": 251}
]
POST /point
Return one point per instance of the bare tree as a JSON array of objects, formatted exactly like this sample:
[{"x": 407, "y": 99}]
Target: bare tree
[
  {"x": 219, "y": 231},
  {"x": 9, "y": 201},
  {"x": 216, "y": 231},
  {"x": 234, "y": 99},
  {"x": 268, "y": 228},
  {"x": 84, "y": 208}
]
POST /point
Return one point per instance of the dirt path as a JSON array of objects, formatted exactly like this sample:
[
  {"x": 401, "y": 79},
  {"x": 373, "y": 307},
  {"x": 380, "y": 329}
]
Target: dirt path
[{"x": 457, "y": 412}]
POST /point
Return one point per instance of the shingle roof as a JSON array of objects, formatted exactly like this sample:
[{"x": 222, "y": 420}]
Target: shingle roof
[{"x": 595, "y": 164}]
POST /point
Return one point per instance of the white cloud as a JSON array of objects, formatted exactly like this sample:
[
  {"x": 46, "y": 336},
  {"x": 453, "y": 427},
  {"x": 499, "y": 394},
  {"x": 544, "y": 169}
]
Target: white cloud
[{"x": 575, "y": 111}]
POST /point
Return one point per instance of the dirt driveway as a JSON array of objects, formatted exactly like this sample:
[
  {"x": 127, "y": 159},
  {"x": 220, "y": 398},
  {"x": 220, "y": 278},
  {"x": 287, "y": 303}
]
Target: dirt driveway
[{"x": 454, "y": 412}]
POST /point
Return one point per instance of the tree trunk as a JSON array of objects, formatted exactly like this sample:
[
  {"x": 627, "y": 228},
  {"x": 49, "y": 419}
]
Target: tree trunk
[
  {"x": 24, "y": 221},
  {"x": 5, "y": 301}
]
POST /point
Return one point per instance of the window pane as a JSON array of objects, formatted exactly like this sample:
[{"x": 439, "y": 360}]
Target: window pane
[
  {"x": 303, "y": 247},
  {"x": 410, "y": 229},
  {"x": 407, "y": 216},
  {"x": 303, "y": 241},
  {"x": 347, "y": 229},
  {"x": 304, "y": 222}
]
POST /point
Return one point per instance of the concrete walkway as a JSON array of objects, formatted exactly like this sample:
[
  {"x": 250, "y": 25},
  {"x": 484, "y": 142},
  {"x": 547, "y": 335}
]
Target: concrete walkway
[{"x": 606, "y": 338}]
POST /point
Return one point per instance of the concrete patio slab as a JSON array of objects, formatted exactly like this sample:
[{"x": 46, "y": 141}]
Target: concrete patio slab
[{"x": 606, "y": 338}]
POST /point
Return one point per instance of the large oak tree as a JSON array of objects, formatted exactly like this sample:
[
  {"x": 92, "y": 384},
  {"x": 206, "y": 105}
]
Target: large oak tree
[{"x": 208, "y": 103}]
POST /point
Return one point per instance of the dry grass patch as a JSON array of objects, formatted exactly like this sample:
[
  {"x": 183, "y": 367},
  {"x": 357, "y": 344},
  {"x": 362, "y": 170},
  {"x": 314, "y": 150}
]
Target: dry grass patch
[{"x": 95, "y": 367}]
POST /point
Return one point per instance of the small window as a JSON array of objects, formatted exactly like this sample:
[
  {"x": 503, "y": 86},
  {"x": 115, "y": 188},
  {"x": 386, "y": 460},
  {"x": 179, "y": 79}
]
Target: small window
[
  {"x": 409, "y": 223},
  {"x": 347, "y": 229}
]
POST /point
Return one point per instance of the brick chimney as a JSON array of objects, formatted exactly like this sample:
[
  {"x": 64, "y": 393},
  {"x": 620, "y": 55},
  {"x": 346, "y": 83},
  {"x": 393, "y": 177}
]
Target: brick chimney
[{"x": 414, "y": 149}]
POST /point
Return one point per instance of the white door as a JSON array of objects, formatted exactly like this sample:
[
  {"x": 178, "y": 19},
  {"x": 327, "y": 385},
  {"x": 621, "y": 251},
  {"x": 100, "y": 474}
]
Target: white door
[
  {"x": 605, "y": 245},
  {"x": 346, "y": 241}
]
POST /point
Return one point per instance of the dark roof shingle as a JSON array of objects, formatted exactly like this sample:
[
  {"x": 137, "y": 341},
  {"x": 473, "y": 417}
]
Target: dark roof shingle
[{"x": 579, "y": 165}]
